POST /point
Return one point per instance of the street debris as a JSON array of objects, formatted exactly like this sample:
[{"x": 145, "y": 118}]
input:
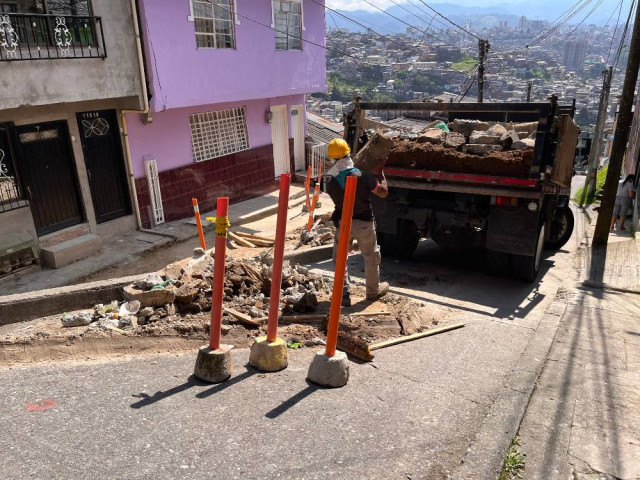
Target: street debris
[{"x": 322, "y": 232}]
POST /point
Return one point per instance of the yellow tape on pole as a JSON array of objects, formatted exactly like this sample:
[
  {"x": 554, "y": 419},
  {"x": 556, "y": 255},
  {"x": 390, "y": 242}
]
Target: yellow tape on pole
[{"x": 222, "y": 225}]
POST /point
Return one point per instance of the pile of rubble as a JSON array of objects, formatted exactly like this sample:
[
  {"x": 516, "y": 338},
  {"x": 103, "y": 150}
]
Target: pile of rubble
[
  {"x": 470, "y": 146},
  {"x": 322, "y": 233},
  {"x": 184, "y": 288}
]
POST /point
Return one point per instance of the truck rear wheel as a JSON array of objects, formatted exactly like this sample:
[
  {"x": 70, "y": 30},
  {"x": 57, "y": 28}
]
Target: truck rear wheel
[
  {"x": 526, "y": 268},
  {"x": 562, "y": 233},
  {"x": 403, "y": 244}
]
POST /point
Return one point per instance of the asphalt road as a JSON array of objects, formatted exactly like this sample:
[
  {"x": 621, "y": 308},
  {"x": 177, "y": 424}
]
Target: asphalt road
[{"x": 442, "y": 407}]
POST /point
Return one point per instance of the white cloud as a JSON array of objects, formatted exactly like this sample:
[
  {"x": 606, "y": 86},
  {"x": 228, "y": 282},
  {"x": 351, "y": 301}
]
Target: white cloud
[{"x": 359, "y": 4}]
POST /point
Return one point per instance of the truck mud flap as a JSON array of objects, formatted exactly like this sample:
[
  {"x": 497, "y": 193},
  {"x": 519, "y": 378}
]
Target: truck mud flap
[{"x": 513, "y": 231}]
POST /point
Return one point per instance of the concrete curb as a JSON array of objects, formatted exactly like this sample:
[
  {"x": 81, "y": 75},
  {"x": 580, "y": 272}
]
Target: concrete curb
[
  {"x": 27, "y": 306},
  {"x": 485, "y": 455}
]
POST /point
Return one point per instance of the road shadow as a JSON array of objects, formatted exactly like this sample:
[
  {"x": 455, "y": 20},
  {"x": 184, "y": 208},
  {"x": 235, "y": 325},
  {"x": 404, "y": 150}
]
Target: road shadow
[
  {"x": 291, "y": 402},
  {"x": 441, "y": 274},
  {"x": 146, "y": 399},
  {"x": 219, "y": 387}
]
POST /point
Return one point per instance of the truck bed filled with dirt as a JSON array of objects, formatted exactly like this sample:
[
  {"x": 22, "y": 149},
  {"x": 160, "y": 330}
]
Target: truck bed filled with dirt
[{"x": 471, "y": 147}]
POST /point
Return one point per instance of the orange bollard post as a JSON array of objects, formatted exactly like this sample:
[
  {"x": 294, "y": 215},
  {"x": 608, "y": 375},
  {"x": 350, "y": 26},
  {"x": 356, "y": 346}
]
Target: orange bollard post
[
  {"x": 316, "y": 194},
  {"x": 269, "y": 353},
  {"x": 219, "y": 263},
  {"x": 341, "y": 265},
  {"x": 196, "y": 211},
  {"x": 278, "y": 257}
]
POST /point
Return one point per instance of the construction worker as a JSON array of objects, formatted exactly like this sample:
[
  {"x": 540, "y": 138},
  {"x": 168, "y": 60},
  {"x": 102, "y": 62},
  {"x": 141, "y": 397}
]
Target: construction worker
[{"x": 363, "y": 227}]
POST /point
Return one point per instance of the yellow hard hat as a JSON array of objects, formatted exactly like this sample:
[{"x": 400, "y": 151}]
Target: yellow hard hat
[{"x": 338, "y": 148}]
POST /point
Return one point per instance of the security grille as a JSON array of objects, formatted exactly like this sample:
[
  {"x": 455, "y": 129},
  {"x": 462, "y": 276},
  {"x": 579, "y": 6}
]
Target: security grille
[
  {"x": 214, "y": 134},
  {"x": 151, "y": 167}
]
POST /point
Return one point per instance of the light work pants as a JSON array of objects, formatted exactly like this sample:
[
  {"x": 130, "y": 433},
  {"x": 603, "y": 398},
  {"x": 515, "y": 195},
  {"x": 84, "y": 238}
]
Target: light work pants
[{"x": 365, "y": 234}]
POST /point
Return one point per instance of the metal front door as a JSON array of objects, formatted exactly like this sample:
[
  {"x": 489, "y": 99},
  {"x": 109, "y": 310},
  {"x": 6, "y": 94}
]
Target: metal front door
[
  {"x": 49, "y": 175},
  {"x": 103, "y": 157}
]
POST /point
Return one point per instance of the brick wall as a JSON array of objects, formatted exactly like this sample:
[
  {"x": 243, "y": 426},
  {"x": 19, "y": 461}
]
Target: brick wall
[{"x": 239, "y": 176}]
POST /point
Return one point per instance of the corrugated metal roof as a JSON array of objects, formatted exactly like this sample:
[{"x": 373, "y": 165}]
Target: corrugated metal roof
[{"x": 321, "y": 130}]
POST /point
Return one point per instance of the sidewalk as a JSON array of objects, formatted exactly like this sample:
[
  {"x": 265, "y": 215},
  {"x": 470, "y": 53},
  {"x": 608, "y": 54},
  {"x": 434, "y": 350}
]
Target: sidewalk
[
  {"x": 583, "y": 419},
  {"x": 141, "y": 252}
]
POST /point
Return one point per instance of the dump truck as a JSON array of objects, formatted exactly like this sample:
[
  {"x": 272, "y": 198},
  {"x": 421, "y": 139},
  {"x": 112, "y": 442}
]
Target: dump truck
[{"x": 511, "y": 204}]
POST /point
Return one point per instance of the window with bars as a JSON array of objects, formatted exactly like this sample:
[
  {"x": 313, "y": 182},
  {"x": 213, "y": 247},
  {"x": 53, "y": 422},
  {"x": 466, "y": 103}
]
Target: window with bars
[
  {"x": 214, "y": 23},
  {"x": 287, "y": 21},
  {"x": 214, "y": 134}
]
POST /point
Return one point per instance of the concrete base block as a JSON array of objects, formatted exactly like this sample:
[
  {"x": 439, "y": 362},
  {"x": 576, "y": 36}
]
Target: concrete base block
[
  {"x": 305, "y": 208},
  {"x": 214, "y": 366},
  {"x": 329, "y": 371},
  {"x": 269, "y": 356}
]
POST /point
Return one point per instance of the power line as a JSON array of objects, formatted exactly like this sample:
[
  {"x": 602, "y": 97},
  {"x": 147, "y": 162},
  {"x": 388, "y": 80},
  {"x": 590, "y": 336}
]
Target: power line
[
  {"x": 624, "y": 36},
  {"x": 359, "y": 24},
  {"x": 407, "y": 24},
  {"x": 449, "y": 20},
  {"x": 615, "y": 30},
  {"x": 329, "y": 49}
]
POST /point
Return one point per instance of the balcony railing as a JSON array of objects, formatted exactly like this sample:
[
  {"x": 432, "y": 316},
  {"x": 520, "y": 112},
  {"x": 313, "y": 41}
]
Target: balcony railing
[{"x": 44, "y": 37}]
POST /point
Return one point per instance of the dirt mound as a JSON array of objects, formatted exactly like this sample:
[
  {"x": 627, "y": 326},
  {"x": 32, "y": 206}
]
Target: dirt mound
[{"x": 426, "y": 156}]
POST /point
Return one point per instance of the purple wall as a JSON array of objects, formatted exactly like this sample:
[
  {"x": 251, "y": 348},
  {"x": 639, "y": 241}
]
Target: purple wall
[
  {"x": 182, "y": 75},
  {"x": 168, "y": 138}
]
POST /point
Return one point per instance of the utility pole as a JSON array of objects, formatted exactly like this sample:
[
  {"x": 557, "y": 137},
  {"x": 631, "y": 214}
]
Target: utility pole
[
  {"x": 529, "y": 86},
  {"x": 596, "y": 147},
  {"x": 483, "y": 49},
  {"x": 621, "y": 136}
]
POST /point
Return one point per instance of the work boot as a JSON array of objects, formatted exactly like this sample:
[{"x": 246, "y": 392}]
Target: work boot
[
  {"x": 383, "y": 288},
  {"x": 346, "y": 299}
]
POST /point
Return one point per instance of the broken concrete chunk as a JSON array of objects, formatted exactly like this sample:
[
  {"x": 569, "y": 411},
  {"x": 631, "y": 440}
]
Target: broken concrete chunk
[
  {"x": 478, "y": 137},
  {"x": 524, "y": 144},
  {"x": 480, "y": 149},
  {"x": 373, "y": 156},
  {"x": 432, "y": 135},
  {"x": 148, "y": 282},
  {"x": 146, "y": 312},
  {"x": 129, "y": 308},
  {"x": 307, "y": 303},
  {"x": 466, "y": 127},
  {"x": 509, "y": 138},
  {"x": 78, "y": 320},
  {"x": 150, "y": 298},
  {"x": 525, "y": 129},
  {"x": 496, "y": 129},
  {"x": 454, "y": 140}
]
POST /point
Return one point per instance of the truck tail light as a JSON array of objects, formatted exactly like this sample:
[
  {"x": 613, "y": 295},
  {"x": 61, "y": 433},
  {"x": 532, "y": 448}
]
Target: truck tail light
[{"x": 504, "y": 201}]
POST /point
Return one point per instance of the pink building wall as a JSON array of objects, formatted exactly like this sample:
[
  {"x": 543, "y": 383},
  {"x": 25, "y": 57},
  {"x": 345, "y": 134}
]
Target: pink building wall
[
  {"x": 182, "y": 75},
  {"x": 168, "y": 138}
]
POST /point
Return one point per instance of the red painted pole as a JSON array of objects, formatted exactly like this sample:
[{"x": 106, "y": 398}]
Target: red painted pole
[
  {"x": 217, "y": 289},
  {"x": 341, "y": 265},
  {"x": 278, "y": 258},
  {"x": 196, "y": 211}
]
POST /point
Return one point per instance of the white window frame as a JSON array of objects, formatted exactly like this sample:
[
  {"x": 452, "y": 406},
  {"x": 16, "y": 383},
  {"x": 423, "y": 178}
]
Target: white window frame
[
  {"x": 273, "y": 15},
  {"x": 190, "y": 18},
  {"x": 216, "y": 125}
]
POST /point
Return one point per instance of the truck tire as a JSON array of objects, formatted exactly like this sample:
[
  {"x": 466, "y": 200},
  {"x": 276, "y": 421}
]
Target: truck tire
[
  {"x": 564, "y": 233},
  {"x": 403, "y": 244},
  {"x": 524, "y": 267}
]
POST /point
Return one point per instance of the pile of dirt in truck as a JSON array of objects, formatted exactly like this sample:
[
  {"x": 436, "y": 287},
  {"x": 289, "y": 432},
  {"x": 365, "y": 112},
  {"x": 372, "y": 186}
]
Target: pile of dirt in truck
[{"x": 470, "y": 146}]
